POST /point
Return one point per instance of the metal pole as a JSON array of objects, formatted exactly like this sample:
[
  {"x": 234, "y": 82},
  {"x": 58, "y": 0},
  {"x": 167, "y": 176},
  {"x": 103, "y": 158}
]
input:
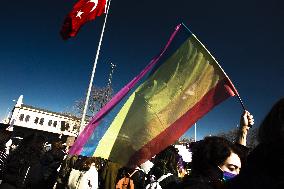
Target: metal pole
[{"x": 93, "y": 73}]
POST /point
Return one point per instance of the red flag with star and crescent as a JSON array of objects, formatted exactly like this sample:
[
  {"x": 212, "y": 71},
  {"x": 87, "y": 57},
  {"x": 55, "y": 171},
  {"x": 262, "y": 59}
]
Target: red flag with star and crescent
[{"x": 82, "y": 12}]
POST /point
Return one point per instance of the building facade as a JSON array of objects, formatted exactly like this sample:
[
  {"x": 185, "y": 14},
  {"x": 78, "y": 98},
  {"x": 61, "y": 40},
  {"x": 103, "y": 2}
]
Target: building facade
[{"x": 43, "y": 120}]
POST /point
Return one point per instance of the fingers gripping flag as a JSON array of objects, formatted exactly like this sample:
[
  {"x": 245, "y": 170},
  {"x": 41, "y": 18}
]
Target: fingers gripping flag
[{"x": 82, "y": 12}]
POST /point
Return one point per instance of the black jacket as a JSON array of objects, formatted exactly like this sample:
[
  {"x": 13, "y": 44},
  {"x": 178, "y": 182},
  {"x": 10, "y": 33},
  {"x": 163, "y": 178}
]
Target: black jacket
[
  {"x": 264, "y": 169},
  {"x": 211, "y": 179}
]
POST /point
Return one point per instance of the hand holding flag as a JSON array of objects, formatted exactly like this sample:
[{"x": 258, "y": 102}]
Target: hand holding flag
[{"x": 82, "y": 12}]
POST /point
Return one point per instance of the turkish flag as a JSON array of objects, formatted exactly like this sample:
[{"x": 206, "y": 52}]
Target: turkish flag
[{"x": 83, "y": 11}]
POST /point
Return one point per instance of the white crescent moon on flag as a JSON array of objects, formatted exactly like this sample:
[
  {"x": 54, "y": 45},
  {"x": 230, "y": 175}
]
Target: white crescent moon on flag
[{"x": 96, "y": 4}]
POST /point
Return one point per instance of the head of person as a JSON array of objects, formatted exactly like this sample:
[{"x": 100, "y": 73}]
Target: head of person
[
  {"x": 214, "y": 155},
  {"x": 169, "y": 157},
  {"x": 33, "y": 142},
  {"x": 89, "y": 162},
  {"x": 159, "y": 168},
  {"x": 57, "y": 145},
  {"x": 271, "y": 130}
]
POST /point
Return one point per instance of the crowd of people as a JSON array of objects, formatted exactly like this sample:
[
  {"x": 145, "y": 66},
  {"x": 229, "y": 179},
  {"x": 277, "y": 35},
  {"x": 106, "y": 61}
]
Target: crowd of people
[{"x": 217, "y": 163}]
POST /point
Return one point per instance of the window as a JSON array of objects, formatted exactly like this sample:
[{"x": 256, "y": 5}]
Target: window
[
  {"x": 21, "y": 118},
  {"x": 67, "y": 126},
  {"x": 62, "y": 125},
  {"x": 49, "y": 122},
  {"x": 27, "y": 118},
  {"x": 76, "y": 128},
  {"x": 54, "y": 123},
  {"x": 41, "y": 121},
  {"x": 36, "y": 120}
]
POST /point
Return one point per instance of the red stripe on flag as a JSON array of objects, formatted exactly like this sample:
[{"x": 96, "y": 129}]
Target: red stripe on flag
[{"x": 212, "y": 98}]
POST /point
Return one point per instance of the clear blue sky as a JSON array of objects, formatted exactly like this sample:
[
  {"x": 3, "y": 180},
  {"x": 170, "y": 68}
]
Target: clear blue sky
[{"x": 246, "y": 37}]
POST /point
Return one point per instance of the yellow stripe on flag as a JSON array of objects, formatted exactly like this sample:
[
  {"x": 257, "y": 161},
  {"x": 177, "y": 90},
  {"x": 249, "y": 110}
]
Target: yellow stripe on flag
[{"x": 169, "y": 93}]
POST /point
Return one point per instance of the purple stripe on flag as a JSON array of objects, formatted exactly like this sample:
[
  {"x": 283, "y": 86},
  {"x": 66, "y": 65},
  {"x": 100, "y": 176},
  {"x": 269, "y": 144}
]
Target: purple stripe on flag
[{"x": 89, "y": 129}]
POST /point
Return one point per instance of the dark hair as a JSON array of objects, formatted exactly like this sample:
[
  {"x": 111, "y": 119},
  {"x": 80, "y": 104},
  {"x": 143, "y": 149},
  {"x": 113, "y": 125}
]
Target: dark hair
[
  {"x": 57, "y": 145},
  {"x": 30, "y": 149},
  {"x": 168, "y": 158},
  {"x": 271, "y": 129},
  {"x": 210, "y": 153}
]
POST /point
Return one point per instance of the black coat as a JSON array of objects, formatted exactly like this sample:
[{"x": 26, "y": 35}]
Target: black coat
[
  {"x": 3, "y": 161},
  {"x": 22, "y": 174},
  {"x": 139, "y": 179},
  {"x": 264, "y": 169},
  {"x": 50, "y": 162},
  {"x": 211, "y": 179},
  {"x": 170, "y": 182}
]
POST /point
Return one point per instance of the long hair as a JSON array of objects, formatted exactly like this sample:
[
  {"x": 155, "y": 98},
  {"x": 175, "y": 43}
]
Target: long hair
[
  {"x": 211, "y": 152},
  {"x": 169, "y": 158}
]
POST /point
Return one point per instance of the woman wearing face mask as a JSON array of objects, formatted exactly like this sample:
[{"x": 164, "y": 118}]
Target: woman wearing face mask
[
  {"x": 215, "y": 160},
  {"x": 265, "y": 164}
]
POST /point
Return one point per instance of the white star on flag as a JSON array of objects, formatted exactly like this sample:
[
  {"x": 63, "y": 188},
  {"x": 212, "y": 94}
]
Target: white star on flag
[
  {"x": 83, "y": 11},
  {"x": 79, "y": 13}
]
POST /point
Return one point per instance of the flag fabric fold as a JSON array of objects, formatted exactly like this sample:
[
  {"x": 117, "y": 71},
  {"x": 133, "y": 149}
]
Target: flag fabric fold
[
  {"x": 82, "y": 12},
  {"x": 177, "y": 88}
]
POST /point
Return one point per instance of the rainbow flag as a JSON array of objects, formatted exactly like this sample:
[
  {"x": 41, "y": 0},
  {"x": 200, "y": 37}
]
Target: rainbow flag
[{"x": 177, "y": 88}]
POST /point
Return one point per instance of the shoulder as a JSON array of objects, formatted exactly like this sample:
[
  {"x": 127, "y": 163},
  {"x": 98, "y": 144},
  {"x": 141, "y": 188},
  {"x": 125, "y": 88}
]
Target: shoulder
[
  {"x": 168, "y": 181},
  {"x": 137, "y": 173},
  {"x": 195, "y": 183}
]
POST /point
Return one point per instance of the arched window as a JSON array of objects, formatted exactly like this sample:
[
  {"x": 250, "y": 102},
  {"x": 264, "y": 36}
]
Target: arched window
[
  {"x": 41, "y": 121},
  {"x": 67, "y": 126},
  {"x": 54, "y": 123},
  {"x": 62, "y": 125},
  {"x": 27, "y": 118},
  {"x": 49, "y": 122},
  {"x": 36, "y": 120},
  {"x": 21, "y": 118}
]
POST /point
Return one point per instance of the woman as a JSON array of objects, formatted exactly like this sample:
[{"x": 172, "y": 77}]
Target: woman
[
  {"x": 213, "y": 159},
  {"x": 216, "y": 160},
  {"x": 265, "y": 164},
  {"x": 165, "y": 170}
]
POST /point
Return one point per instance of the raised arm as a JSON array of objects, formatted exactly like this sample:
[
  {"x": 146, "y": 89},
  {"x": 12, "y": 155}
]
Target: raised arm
[{"x": 245, "y": 123}]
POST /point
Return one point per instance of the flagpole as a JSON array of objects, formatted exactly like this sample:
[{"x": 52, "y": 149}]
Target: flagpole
[{"x": 93, "y": 72}]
